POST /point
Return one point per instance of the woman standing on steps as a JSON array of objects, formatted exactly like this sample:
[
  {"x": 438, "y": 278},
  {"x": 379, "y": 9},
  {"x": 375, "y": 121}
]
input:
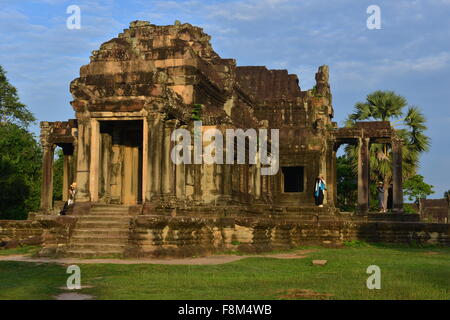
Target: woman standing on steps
[
  {"x": 71, "y": 200},
  {"x": 72, "y": 193},
  {"x": 319, "y": 190}
]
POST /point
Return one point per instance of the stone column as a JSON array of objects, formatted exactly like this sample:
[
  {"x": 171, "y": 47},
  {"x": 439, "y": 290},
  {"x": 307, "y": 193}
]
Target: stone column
[
  {"x": 334, "y": 181},
  {"x": 94, "y": 160},
  {"x": 257, "y": 178},
  {"x": 83, "y": 153},
  {"x": 180, "y": 178},
  {"x": 156, "y": 131},
  {"x": 47, "y": 178},
  {"x": 330, "y": 172},
  {"x": 225, "y": 177},
  {"x": 167, "y": 179},
  {"x": 397, "y": 175},
  {"x": 145, "y": 160},
  {"x": 67, "y": 171},
  {"x": 363, "y": 176}
]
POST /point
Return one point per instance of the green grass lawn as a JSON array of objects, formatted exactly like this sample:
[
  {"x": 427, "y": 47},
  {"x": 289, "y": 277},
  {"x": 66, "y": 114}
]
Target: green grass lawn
[
  {"x": 406, "y": 273},
  {"x": 20, "y": 250}
]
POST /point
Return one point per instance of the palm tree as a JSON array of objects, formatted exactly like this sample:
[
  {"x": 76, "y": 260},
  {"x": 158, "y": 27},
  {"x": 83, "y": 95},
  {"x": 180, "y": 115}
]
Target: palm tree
[{"x": 409, "y": 126}]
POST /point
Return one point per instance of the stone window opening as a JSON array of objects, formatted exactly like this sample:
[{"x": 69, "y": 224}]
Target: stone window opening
[{"x": 293, "y": 179}]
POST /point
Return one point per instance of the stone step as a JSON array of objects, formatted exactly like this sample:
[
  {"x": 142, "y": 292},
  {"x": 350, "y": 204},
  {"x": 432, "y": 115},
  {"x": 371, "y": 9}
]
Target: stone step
[
  {"x": 99, "y": 247},
  {"x": 101, "y": 224},
  {"x": 105, "y": 211},
  {"x": 78, "y": 239},
  {"x": 117, "y": 208},
  {"x": 77, "y": 253},
  {"x": 108, "y": 212},
  {"x": 112, "y": 218},
  {"x": 111, "y": 232}
]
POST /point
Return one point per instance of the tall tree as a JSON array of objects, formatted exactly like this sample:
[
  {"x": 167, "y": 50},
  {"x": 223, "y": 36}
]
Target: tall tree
[
  {"x": 416, "y": 188},
  {"x": 20, "y": 172},
  {"x": 20, "y": 156},
  {"x": 11, "y": 109},
  {"x": 409, "y": 125}
]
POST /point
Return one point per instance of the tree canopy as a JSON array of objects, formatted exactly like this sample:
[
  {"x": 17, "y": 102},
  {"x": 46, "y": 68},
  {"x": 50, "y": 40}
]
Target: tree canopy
[
  {"x": 11, "y": 109},
  {"x": 416, "y": 188},
  {"x": 20, "y": 172},
  {"x": 20, "y": 156}
]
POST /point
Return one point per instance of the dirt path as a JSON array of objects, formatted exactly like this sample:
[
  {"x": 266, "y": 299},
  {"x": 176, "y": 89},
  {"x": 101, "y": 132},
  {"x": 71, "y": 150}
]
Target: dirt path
[{"x": 209, "y": 260}]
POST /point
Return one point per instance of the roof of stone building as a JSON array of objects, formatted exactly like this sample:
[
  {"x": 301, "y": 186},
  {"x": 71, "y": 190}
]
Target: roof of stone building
[{"x": 170, "y": 68}]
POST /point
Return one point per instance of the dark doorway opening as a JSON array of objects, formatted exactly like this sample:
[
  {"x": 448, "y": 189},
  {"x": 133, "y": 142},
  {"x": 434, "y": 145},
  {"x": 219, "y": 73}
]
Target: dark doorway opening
[{"x": 293, "y": 178}]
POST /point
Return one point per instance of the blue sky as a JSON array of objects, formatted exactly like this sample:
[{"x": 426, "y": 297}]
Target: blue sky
[{"x": 410, "y": 54}]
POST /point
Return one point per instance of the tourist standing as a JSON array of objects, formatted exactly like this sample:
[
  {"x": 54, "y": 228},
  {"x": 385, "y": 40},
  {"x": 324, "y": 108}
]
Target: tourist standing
[
  {"x": 71, "y": 200},
  {"x": 72, "y": 193},
  {"x": 319, "y": 190}
]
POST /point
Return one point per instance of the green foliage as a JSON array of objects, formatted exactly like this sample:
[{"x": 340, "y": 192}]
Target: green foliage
[
  {"x": 447, "y": 194},
  {"x": 25, "y": 250},
  {"x": 197, "y": 112},
  {"x": 355, "y": 244},
  {"x": 407, "y": 208},
  {"x": 416, "y": 188},
  {"x": 58, "y": 167},
  {"x": 346, "y": 184},
  {"x": 13, "y": 192},
  {"x": 20, "y": 156},
  {"x": 11, "y": 109},
  {"x": 410, "y": 127},
  {"x": 20, "y": 174}
]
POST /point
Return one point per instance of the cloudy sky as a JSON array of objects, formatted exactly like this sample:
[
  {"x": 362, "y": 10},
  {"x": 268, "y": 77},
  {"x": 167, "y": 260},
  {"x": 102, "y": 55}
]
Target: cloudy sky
[{"x": 410, "y": 54}]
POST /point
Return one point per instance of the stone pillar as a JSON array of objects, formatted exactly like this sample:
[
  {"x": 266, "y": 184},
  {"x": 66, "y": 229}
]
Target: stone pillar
[
  {"x": 156, "y": 131},
  {"x": 47, "y": 178},
  {"x": 167, "y": 179},
  {"x": 226, "y": 176},
  {"x": 397, "y": 175},
  {"x": 83, "y": 153},
  {"x": 180, "y": 178},
  {"x": 257, "y": 178},
  {"x": 227, "y": 180},
  {"x": 363, "y": 176},
  {"x": 145, "y": 160},
  {"x": 330, "y": 173},
  {"x": 334, "y": 181},
  {"x": 94, "y": 160},
  {"x": 67, "y": 171}
]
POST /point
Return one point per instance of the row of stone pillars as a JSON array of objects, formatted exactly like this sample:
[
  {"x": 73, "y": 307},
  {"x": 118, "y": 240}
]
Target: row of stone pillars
[
  {"x": 363, "y": 175},
  {"x": 47, "y": 174},
  {"x": 158, "y": 171}
]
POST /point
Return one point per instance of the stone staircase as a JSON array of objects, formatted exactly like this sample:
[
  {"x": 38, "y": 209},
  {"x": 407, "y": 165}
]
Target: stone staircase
[{"x": 103, "y": 232}]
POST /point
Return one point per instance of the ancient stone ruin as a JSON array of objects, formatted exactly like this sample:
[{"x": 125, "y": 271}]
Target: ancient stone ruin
[{"x": 132, "y": 199}]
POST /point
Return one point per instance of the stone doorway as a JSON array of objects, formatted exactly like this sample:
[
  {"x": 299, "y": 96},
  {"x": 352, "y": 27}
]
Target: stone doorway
[{"x": 120, "y": 160}]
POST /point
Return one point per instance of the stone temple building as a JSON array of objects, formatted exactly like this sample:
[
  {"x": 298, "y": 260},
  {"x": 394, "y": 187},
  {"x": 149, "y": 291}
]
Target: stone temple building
[{"x": 139, "y": 87}]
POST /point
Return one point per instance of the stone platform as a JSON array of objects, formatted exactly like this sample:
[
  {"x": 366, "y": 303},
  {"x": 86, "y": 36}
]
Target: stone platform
[{"x": 121, "y": 231}]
